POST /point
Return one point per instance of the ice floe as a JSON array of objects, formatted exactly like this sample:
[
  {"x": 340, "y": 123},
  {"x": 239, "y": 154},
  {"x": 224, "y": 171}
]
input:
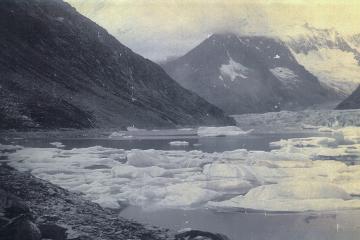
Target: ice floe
[
  {"x": 57, "y": 144},
  {"x": 292, "y": 196},
  {"x": 179, "y": 143},
  {"x": 221, "y": 131},
  {"x": 299, "y": 174},
  {"x": 117, "y": 135}
]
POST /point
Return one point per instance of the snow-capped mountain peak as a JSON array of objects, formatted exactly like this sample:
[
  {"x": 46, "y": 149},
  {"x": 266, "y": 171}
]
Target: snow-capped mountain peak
[{"x": 242, "y": 74}]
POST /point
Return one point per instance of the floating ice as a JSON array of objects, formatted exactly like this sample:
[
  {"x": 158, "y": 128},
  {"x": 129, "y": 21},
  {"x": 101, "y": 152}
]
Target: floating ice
[
  {"x": 125, "y": 171},
  {"x": 301, "y": 174},
  {"x": 221, "y": 131},
  {"x": 132, "y": 128},
  {"x": 179, "y": 143},
  {"x": 57, "y": 144},
  {"x": 117, "y": 134},
  {"x": 292, "y": 196}
]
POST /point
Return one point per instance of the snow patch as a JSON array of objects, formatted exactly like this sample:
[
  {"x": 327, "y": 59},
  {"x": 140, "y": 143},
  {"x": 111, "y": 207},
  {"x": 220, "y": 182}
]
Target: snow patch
[
  {"x": 234, "y": 70},
  {"x": 285, "y": 75}
]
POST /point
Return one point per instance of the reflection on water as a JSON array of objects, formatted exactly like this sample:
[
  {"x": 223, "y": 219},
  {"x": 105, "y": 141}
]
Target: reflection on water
[{"x": 256, "y": 226}]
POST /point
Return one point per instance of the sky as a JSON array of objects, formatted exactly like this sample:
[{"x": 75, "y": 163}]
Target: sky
[{"x": 159, "y": 29}]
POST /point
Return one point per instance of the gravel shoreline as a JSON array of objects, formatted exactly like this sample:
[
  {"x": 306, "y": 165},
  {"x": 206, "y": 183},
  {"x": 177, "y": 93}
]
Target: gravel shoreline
[{"x": 54, "y": 206}]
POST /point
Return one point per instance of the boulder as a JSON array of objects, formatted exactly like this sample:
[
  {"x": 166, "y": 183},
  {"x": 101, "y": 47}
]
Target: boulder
[
  {"x": 53, "y": 231},
  {"x": 200, "y": 235},
  {"x": 20, "y": 228}
]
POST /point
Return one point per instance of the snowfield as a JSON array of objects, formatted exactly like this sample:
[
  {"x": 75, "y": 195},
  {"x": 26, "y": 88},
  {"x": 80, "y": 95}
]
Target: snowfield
[
  {"x": 336, "y": 69},
  {"x": 299, "y": 174}
]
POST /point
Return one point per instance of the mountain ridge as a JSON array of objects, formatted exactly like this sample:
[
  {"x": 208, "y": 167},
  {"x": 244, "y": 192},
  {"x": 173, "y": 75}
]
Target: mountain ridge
[
  {"x": 262, "y": 66},
  {"x": 60, "y": 69},
  {"x": 331, "y": 56}
]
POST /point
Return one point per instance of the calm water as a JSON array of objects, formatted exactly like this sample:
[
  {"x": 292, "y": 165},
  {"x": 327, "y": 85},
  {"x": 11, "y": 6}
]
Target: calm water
[
  {"x": 236, "y": 225},
  {"x": 160, "y": 142},
  {"x": 256, "y": 226}
]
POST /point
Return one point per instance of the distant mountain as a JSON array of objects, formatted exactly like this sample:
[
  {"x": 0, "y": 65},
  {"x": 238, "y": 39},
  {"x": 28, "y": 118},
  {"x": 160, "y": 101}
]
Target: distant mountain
[
  {"x": 59, "y": 69},
  {"x": 354, "y": 40},
  {"x": 352, "y": 102},
  {"x": 326, "y": 53},
  {"x": 246, "y": 74}
]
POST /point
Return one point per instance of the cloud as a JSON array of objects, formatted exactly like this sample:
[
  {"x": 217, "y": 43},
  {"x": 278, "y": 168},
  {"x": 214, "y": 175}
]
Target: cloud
[{"x": 161, "y": 28}]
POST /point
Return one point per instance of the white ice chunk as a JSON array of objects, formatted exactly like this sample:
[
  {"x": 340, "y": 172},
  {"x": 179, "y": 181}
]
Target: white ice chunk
[
  {"x": 301, "y": 174},
  {"x": 179, "y": 143},
  {"x": 145, "y": 158},
  {"x": 292, "y": 196},
  {"x": 117, "y": 134},
  {"x": 221, "y": 131},
  {"x": 226, "y": 170},
  {"x": 125, "y": 171},
  {"x": 57, "y": 144},
  {"x": 186, "y": 195}
]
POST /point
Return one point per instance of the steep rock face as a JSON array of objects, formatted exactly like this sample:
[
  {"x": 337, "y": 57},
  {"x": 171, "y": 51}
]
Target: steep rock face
[
  {"x": 59, "y": 69},
  {"x": 352, "y": 102},
  {"x": 242, "y": 74}
]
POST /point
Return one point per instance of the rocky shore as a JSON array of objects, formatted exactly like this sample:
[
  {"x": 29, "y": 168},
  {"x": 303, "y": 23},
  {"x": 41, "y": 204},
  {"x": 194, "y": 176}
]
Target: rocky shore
[{"x": 33, "y": 209}]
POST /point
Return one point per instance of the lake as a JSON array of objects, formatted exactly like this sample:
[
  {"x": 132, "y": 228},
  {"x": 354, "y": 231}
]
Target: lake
[{"x": 236, "y": 224}]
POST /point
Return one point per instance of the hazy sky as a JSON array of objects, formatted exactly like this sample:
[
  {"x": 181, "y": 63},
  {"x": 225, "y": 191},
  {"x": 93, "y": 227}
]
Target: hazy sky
[{"x": 161, "y": 28}]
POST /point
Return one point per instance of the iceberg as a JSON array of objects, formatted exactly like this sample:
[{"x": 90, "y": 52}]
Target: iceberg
[
  {"x": 221, "y": 131},
  {"x": 293, "y": 196},
  {"x": 179, "y": 143},
  {"x": 57, "y": 144}
]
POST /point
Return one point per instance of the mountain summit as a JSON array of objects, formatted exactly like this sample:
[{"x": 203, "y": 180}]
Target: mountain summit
[
  {"x": 328, "y": 54},
  {"x": 247, "y": 74},
  {"x": 60, "y": 69}
]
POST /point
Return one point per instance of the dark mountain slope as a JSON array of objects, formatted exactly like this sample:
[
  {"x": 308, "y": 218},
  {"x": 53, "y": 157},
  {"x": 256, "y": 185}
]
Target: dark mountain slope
[
  {"x": 243, "y": 74},
  {"x": 352, "y": 102},
  {"x": 59, "y": 69}
]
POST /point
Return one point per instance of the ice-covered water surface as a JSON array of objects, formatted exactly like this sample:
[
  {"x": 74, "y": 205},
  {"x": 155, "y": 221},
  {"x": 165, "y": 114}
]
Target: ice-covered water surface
[{"x": 301, "y": 174}]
